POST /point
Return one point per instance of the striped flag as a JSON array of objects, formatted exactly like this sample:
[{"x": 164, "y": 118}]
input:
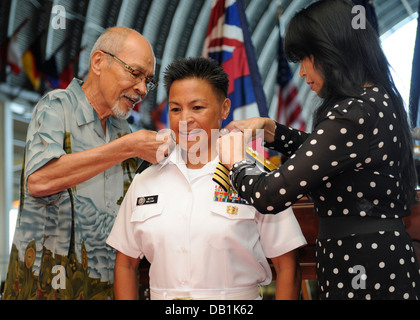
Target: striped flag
[
  {"x": 32, "y": 60},
  {"x": 10, "y": 53},
  {"x": 289, "y": 110},
  {"x": 228, "y": 41},
  {"x": 29, "y": 65},
  {"x": 14, "y": 56}
]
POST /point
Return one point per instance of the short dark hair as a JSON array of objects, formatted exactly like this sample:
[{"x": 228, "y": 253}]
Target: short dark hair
[{"x": 197, "y": 67}]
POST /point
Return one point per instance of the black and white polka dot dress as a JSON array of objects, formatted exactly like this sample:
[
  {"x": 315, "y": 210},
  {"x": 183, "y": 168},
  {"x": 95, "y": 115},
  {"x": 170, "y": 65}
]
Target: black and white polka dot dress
[{"x": 350, "y": 166}]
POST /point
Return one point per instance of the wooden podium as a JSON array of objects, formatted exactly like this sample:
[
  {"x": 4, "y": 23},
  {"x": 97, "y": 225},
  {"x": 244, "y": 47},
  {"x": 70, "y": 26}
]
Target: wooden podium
[{"x": 308, "y": 220}]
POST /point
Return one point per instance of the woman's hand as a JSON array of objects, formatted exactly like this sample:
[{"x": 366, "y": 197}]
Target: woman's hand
[
  {"x": 254, "y": 128},
  {"x": 231, "y": 148}
]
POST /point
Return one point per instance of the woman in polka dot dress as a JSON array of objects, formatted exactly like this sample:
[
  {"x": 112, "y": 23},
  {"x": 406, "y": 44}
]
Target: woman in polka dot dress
[{"x": 356, "y": 165}]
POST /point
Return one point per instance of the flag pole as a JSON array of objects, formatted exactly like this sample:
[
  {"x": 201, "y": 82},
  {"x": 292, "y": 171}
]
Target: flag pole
[
  {"x": 279, "y": 15},
  {"x": 17, "y": 30},
  {"x": 279, "y": 10}
]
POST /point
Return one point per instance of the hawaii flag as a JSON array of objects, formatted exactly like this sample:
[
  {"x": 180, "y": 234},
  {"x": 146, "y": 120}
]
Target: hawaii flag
[{"x": 228, "y": 41}]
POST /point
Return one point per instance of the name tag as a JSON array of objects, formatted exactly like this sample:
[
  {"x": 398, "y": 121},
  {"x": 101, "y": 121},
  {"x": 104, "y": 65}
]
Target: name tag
[{"x": 141, "y": 201}]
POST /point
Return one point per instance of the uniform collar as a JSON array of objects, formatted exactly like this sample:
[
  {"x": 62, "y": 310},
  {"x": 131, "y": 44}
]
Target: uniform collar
[{"x": 175, "y": 157}]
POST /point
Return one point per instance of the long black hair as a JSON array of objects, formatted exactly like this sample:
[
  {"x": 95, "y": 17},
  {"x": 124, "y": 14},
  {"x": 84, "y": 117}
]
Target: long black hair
[{"x": 348, "y": 58}]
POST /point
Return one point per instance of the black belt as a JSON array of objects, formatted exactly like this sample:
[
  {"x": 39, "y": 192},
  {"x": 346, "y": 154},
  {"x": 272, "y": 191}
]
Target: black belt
[{"x": 337, "y": 227}]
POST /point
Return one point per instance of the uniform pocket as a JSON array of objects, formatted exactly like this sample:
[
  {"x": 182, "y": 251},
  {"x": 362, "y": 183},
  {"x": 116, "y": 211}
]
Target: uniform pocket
[
  {"x": 146, "y": 212},
  {"x": 146, "y": 221},
  {"x": 234, "y": 226}
]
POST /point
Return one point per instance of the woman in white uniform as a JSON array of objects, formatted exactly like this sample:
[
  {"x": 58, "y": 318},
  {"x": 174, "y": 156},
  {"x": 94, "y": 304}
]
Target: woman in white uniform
[{"x": 202, "y": 242}]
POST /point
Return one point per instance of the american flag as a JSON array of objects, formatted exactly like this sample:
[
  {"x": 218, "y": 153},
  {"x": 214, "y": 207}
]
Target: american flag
[
  {"x": 228, "y": 41},
  {"x": 289, "y": 110}
]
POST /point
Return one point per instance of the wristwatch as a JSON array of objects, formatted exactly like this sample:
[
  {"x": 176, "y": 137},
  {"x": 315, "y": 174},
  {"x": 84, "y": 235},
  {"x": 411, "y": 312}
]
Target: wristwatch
[{"x": 237, "y": 168}]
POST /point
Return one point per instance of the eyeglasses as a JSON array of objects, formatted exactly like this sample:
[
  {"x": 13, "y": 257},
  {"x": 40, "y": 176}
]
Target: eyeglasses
[{"x": 136, "y": 75}]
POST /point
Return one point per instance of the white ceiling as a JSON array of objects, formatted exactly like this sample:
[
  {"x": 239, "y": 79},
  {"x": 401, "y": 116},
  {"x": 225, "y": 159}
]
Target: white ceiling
[{"x": 175, "y": 28}]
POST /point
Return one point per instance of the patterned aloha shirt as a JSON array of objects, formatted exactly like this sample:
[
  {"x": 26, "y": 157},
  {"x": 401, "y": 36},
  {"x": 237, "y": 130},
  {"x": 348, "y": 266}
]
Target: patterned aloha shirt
[{"x": 59, "y": 249}]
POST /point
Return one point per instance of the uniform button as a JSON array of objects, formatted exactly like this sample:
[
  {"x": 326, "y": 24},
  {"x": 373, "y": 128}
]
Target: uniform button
[{"x": 183, "y": 250}]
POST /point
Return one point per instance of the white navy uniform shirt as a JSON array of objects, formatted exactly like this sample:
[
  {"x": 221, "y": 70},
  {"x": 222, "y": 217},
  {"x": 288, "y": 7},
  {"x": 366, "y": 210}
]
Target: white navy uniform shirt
[{"x": 195, "y": 242}]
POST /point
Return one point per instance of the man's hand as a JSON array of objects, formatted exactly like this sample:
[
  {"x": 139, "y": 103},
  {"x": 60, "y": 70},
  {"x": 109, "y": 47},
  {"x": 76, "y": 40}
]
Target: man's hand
[
  {"x": 150, "y": 145},
  {"x": 72, "y": 169}
]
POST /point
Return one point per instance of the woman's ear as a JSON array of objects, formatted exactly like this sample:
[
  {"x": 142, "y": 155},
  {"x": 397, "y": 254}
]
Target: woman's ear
[{"x": 226, "y": 108}]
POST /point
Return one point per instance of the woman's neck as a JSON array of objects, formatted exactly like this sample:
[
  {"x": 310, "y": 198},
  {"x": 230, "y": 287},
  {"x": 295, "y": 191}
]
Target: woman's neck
[{"x": 198, "y": 158}]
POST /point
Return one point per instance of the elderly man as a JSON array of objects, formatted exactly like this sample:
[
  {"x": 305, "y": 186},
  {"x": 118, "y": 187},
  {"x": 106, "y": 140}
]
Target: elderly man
[{"x": 80, "y": 159}]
